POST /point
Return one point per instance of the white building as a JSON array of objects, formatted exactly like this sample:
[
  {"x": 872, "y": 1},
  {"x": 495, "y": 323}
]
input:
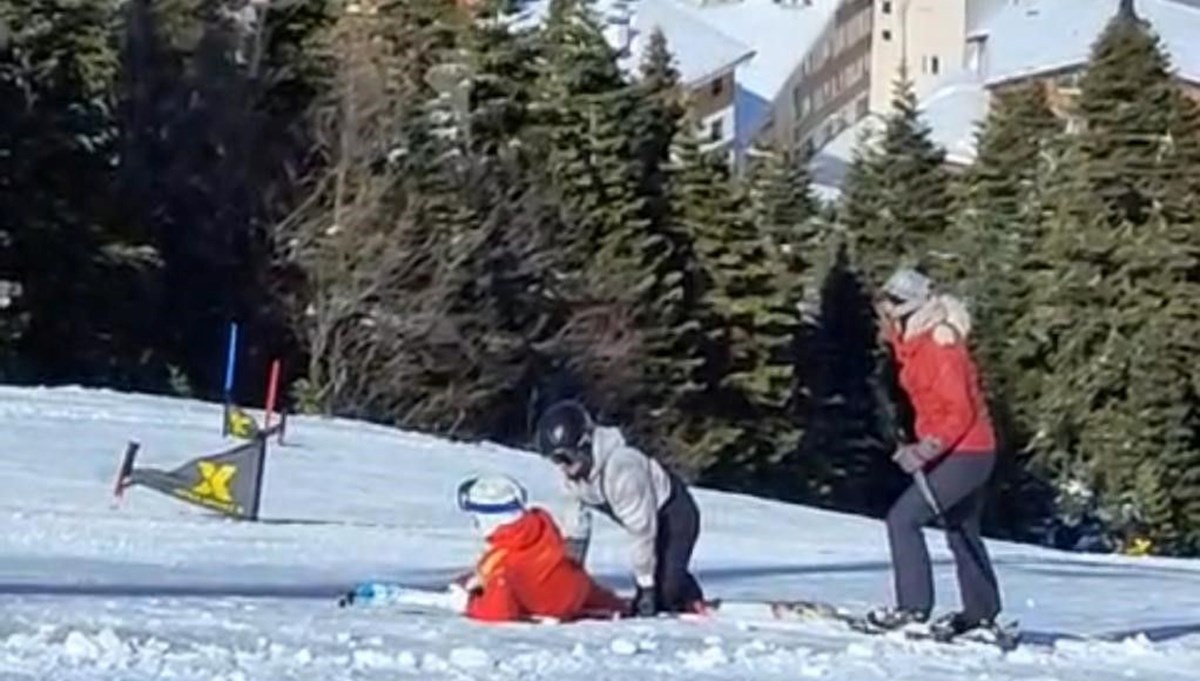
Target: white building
[
  {"x": 1006, "y": 43},
  {"x": 736, "y": 57}
]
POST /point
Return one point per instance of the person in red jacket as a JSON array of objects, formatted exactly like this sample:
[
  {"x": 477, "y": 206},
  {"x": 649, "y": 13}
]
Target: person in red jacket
[
  {"x": 525, "y": 571},
  {"x": 955, "y": 449}
]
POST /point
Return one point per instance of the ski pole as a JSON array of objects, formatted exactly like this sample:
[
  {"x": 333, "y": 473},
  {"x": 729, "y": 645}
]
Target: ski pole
[
  {"x": 930, "y": 497},
  {"x": 922, "y": 483}
]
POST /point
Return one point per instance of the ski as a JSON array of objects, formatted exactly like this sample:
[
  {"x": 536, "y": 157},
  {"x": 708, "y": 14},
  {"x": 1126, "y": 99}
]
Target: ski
[
  {"x": 409, "y": 600},
  {"x": 768, "y": 613},
  {"x": 752, "y": 613},
  {"x": 389, "y": 594},
  {"x": 1005, "y": 636},
  {"x": 780, "y": 610}
]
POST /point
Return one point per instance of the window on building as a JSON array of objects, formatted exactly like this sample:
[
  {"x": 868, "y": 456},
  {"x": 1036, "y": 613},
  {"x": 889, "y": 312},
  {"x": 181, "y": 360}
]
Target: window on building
[
  {"x": 718, "y": 86},
  {"x": 934, "y": 65},
  {"x": 975, "y": 53},
  {"x": 827, "y": 132},
  {"x": 803, "y": 103},
  {"x": 886, "y": 8},
  {"x": 887, "y": 35},
  {"x": 716, "y": 130},
  {"x": 1068, "y": 81}
]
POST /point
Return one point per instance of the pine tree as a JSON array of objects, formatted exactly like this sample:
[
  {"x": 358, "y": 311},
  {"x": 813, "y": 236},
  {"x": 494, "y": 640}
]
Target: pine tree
[
  {"x": 997, "y": 233},
  {"x": 1061, "y": 328},
  {"x": 610, "y": 254},
  {"x": 785, "y": 210},
  {"x": 1122, "y": 142},
  {"x": 861, "y": 201},
  {"x": 1120, "y": 330},
  {"x": 212, "y": 107},
  {"x": 675, "y": 345},
  {"x": 580, "y": 95},
  {"x": 896, "y": 211},
  {"x": 657, "y": 119},
  {"x": 844, "y": 458},
  {"x": 904, "y": 178},
  {"x": 86, "y": 279},
  {"x": 750, "y": 323},
  {"x": 501, "y": 64}
]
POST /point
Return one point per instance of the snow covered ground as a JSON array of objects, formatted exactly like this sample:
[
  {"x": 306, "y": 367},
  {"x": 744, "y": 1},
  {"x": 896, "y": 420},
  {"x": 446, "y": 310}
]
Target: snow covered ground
[{"x": 157, "y": 589}]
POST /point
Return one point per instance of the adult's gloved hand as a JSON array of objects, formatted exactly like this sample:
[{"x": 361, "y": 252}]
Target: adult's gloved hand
[
  {"x": 915, "y": 457},
  {"x": 645, "y": 602}
]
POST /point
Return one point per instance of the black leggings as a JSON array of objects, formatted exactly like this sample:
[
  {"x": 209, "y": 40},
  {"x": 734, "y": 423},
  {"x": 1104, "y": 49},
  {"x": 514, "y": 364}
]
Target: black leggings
[
  {"x": 957, "y": 483},
  {"x": 678, "y": 529}
]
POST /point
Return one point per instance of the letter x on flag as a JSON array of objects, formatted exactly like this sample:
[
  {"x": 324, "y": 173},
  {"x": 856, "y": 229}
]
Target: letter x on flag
[{"x": 215, "y": 482}]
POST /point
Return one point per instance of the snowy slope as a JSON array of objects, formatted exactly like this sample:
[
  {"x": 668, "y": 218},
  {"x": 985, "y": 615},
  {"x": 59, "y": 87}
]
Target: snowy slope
[{"x": 155, "y": 589}]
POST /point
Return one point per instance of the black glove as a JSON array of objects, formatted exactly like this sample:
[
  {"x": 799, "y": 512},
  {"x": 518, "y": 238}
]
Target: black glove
[{"x": 645, "y": 602}]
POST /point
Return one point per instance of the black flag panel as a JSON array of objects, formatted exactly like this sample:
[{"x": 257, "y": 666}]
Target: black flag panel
[{"x": 228, "y": 482}]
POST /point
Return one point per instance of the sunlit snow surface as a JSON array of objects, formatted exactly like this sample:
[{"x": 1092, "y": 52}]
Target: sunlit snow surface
[{"x": 155, "y": 589}]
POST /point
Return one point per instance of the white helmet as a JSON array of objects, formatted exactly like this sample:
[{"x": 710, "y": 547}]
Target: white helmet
[{"x": 492, "y": 500}]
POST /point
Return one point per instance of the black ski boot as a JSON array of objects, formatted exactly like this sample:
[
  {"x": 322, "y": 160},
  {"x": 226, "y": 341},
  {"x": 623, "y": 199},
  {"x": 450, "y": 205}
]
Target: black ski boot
[
  {"x": 895, "y": 618},
  {"x": 958, "y": 626}
]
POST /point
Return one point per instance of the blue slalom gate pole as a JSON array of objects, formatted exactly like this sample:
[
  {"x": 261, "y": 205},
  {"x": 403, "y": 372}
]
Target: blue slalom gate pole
[{"x": 230, "y": 363}]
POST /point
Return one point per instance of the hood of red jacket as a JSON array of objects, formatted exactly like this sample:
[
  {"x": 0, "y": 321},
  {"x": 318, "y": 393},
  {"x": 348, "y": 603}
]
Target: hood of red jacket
[{"x": 533, "y": 528}]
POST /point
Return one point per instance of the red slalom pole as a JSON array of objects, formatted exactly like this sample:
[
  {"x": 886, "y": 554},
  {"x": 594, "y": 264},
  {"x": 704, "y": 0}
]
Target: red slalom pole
[{"x": 272, "y": 392}]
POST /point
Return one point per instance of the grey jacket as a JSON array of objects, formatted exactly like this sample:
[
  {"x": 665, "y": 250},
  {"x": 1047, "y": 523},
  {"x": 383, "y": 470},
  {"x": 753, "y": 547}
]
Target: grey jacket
[{"x": 627, "y": 486}]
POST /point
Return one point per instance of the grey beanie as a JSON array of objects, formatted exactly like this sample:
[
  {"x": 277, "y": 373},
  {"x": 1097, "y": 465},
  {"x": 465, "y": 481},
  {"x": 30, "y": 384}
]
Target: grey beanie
[{"x": 909, "y": 285}]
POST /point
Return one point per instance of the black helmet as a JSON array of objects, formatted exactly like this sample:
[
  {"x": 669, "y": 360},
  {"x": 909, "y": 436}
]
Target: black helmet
[{"x": 564, "y": 432}]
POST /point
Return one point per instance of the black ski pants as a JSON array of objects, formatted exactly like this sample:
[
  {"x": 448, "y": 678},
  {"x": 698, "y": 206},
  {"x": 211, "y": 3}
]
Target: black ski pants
[
  {"x": 958, "y": 484},
  {"x": 678, "y": 530}
]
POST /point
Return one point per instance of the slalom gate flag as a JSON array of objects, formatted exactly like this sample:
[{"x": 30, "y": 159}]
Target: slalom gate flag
[
  {"x": 229, "y": 482},
  {"x": 240, "y": 424}
]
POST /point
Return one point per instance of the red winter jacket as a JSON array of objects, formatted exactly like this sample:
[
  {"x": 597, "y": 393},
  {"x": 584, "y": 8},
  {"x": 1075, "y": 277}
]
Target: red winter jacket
[
  {"x": 943, "y": 385},
  {"x": 526, "y": 572}
]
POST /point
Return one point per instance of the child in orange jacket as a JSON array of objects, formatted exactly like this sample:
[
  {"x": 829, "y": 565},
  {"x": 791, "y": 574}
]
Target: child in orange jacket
[{"x": 525, "y": 572}]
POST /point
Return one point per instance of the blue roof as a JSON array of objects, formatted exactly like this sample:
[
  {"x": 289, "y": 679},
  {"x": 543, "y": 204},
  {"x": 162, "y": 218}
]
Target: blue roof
[{"x": 1037, "y": 36}]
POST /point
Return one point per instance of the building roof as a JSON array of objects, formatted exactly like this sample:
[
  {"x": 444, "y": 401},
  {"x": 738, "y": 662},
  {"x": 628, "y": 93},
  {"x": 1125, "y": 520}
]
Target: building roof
[
  {"x": 781, "y": 34},
  {"x": 700, "y": 50},
  {"x": 765, "y": 39},
  {"x": 1028, "y": 37},
  {"x": 1025, "y": 37},
  {"x": 831, "y": 164},
  {"x": 953, "y": 113}
]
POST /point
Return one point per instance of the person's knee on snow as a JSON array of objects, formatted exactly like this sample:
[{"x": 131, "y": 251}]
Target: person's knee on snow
[
  {"x": 526, "y": 570},
  {"x": 603, "y": 473}
]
